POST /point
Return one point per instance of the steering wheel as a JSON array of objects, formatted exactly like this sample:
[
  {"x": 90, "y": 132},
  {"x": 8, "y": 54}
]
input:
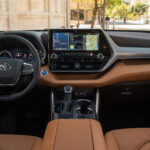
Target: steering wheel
[{"x": 17, "y": 77}]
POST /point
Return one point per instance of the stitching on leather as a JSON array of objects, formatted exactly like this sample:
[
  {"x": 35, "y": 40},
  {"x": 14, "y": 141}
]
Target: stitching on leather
[
  {"x": 148, "y": 139},
  {"x": 56, "y": 134},
  {"x": 91, "y": 133},
  {"x": 33, "y": 144},
  {"x": 144, "y": 144},
  {"x": 113, "y": 134}
]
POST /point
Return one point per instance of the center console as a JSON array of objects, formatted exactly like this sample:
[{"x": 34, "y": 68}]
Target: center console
[
  {"x": 74, "y": 134},
  {"x": 70, "y": 103},
  {"x": 78, "y": 50}
]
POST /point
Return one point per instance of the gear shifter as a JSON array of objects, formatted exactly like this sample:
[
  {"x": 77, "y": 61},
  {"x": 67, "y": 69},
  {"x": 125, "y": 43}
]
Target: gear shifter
[{"x": 67, "y": 98}]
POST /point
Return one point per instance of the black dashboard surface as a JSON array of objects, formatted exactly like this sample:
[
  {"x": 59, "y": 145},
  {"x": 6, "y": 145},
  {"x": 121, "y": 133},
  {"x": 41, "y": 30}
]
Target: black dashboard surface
[
  {"x": 130, "y": 38},
  {"x": 118, "y": 37}
]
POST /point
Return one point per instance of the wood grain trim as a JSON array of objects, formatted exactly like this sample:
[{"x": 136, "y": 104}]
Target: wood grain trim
[{"x": 122, "y": 71}]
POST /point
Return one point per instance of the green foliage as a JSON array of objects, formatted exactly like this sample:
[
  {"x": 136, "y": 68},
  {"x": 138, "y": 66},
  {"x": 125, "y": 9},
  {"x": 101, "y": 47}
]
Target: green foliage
[
  {"x": 138, "y": 9},
  {"x": 120, "y": 11},
  {"x": 110, "y": 4},
  {"x": 117, "y": 9},
  {"x": 126, "y": 11}
]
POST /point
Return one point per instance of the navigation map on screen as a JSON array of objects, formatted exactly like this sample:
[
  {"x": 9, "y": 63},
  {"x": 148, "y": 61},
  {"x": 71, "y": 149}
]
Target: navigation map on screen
[
  {"x": 92, "y": 42},
  {"x": 71, "y": 41}
]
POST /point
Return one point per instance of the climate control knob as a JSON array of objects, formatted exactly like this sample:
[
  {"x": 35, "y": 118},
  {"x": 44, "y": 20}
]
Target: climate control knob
[
  {"x": 100, "y": 57},
  {"x": 54, "y": 57}
]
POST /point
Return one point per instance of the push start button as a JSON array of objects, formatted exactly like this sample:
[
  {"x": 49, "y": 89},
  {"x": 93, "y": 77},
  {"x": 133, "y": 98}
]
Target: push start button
[{"x": 44, "y": 72}]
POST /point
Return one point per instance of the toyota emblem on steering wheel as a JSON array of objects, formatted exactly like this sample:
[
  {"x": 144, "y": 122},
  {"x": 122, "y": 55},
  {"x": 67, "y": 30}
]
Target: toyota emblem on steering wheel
[{"x": 5, "y": 67}]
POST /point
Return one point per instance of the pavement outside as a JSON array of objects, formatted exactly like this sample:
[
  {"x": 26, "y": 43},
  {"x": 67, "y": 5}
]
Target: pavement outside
[{"x": 120, "y": 25}]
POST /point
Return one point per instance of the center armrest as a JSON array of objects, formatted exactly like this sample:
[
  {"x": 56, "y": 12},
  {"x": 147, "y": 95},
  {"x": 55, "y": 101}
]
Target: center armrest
[{"x": 74, "y": 134}]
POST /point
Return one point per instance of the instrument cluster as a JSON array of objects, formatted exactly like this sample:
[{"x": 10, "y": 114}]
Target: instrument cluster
[{"x": 17, "y": 53}]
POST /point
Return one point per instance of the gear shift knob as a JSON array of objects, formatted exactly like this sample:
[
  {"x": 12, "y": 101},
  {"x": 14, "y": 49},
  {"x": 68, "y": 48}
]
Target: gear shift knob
[
  {"x": 67, "y": 98},
  {"x": 68, "y": 93},
  {"x": 68, "y": 90}
]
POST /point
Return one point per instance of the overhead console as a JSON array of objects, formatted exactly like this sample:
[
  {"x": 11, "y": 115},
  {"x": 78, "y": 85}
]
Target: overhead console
[{"x": 77, "y": 50}]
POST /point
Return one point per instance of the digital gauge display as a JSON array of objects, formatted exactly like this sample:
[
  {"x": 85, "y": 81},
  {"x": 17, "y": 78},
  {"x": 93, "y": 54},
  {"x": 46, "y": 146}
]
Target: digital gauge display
[
  {"x": 5, "y": 54},
  {"x": 17, "y": 54}
]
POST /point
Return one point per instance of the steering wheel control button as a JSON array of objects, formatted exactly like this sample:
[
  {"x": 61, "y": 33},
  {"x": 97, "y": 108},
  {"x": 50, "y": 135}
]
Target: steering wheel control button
[
  {"x": 27, "y": 69},
  {"x": 44, "y": 73}
]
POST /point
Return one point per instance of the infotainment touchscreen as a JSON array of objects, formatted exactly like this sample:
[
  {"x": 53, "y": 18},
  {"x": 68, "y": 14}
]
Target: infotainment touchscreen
[{"x": 88, "y": 41}]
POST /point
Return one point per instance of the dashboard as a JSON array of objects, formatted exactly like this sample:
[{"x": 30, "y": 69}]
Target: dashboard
[{"x": 95, "y": 57}]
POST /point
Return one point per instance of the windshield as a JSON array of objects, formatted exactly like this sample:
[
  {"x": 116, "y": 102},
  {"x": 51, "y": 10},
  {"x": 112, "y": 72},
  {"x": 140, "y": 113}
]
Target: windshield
[{"x": 44, "y": 14}]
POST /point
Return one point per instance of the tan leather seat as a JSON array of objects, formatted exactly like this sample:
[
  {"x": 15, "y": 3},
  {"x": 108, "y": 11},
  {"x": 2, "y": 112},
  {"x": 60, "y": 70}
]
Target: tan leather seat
[
  {"x": 19, "y": 142},
  {"x": 128, "y": 139}
]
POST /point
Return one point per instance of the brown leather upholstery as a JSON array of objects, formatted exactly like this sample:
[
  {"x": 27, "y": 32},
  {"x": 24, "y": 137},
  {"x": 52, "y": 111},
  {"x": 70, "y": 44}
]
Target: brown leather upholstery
[
  {"x": 81, "y": 134},
  {"x": 19, "y": 142},
  {"x": 128, "y": 139},
  {"x": 122, "y": 71}
]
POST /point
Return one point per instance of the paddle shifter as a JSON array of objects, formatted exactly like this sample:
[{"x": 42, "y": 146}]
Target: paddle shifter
[{"x": 67, "y": 99}]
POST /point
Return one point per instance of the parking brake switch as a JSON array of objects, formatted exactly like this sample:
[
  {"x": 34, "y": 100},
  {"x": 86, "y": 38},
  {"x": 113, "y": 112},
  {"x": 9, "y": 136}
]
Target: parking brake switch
[{"x": 67, "y": 99}]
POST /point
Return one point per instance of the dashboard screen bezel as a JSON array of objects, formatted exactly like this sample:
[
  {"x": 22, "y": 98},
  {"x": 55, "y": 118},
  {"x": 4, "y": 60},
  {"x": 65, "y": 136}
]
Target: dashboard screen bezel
[{"x": 75, "y": 31}]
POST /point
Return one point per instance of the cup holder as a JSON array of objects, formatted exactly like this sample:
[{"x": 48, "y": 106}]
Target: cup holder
[{"x": 84, "y": 107}]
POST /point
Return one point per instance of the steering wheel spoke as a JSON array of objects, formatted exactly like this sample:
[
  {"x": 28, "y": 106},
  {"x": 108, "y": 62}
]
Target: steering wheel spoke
[{"x": 27, "y": 69}]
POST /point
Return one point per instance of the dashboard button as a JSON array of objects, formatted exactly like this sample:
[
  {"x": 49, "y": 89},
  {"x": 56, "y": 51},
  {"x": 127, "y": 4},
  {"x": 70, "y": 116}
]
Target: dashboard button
[
  {"x": 89, "y": 67},
  {"x": 82, "y": 59},
  {"x": 77, "y": 66},
  {"x": 54, "y": 57},
  {"x": 44, "y": 72},
  {"x": 64, "y": 66},
  {"x": 100, "y": 57}
]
